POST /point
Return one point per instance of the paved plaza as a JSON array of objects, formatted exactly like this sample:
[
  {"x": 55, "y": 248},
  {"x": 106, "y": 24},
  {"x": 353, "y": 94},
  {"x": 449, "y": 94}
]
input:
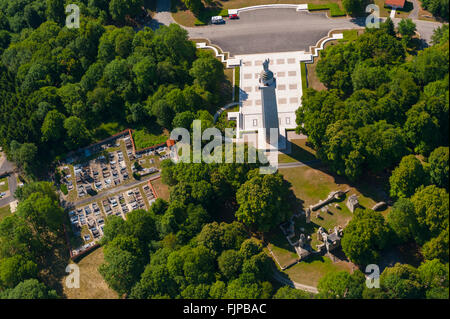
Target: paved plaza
[{"x": 286, "y": 69}]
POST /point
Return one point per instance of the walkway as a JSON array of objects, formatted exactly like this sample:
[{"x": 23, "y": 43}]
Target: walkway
[
  {"x": 415, "y": 11},
  {"x": 298, "y": 164},
  {"x": 223, "y": 108},
  {"x": 278, "y": 277},
  {"x": 162, "y": 16}
]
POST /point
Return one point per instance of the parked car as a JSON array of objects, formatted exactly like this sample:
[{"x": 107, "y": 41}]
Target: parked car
[
  {"x": 233, "y": 16},
  {"x": 215, "y": 20}
]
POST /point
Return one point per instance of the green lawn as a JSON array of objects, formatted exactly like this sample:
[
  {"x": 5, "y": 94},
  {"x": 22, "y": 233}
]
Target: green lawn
[
  {"x": 4, "y": 184},
  {"x": 309, "y": 271},
  {"x": 349, "y": 35},
  {"x": 310, "y": 185},
  {"x": 400, "y": 13},
  {"x": 313, "y": 183},
  {"x": 304, "y": 78},
  {"x": 335, "y": 10},
  {"x": 143, "y": 139},
  {"x": 237, "y": 81},
  {"x": 4, "y": 211}
]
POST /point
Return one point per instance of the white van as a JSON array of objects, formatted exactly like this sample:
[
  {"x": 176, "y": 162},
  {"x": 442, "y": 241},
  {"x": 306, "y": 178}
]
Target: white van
[{"x": 217, "y": 20}]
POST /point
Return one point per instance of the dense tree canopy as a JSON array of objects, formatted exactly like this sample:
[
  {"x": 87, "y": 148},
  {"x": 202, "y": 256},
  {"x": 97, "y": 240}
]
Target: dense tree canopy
[
  {"x": 365, "y": 236},
  {"x": 407, "y": 177},
  {"x": 341, "y": 285},
  {"x": 263, "y": 202},
  {"x": 378, "y": 107},
  {"x": 59, "y": 85}
]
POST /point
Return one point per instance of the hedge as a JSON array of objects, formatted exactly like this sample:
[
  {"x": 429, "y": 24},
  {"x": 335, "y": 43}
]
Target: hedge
[{"x": 335, "y": 11}]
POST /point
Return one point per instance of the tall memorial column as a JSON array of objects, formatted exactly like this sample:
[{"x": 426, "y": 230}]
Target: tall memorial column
[{"x": 267, "y": 87}]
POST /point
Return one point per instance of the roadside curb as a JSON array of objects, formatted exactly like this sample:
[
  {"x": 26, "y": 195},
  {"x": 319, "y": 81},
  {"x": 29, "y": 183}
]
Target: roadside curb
[
  {"x": 224, "y": 108},
  {"x": 298, "y": 7}
]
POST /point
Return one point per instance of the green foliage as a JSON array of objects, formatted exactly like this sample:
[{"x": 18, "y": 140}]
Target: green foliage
[
  {"x": 196, "y": 6},
  {"x": 402, "y": 220},
  {"x": 230, "y": 263},
  {"x": 434, "y": 277},
  {"x": 439, "y": 167},
  {"x": 432, "y": 206},
  {"x": 407, "y": 29},
  {"x": 353, "y": 6},
  {"x": 341, "y": 285},
  {"x": 57, "y": 83},
  {"x": 219, "y": 237},
  {"x": 263, "y": 202},
  {"x": 246, "y": 287},
  {"x": 29, "y": 289},
  {"x": 437, "y": 247},
  {"x": 438, "y": 8},
  {"x": 16, "y": 269},
  {"x": 407, "y": 177},
  {"x": 365, "y": 236},
  {"x": 32, "y": 232},
  {"x": 401, "y": 282},
  {"x": 377, "y": 107},
  {"x": 207, "y": 72},
  {"x": 250, "y": 247},
  {"x": 120, "y": 270},
  {"x": 287, "y": 292}
]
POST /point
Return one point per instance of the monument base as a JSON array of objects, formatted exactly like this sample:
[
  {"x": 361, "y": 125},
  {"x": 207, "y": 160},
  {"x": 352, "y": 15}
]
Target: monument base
[{"x": 279, "y": 145}]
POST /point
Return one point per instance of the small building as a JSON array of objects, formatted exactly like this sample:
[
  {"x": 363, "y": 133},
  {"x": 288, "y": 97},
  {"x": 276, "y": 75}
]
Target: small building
[
  {"x": 353, "y": 203},
  {"x": 395, "y": 4}
]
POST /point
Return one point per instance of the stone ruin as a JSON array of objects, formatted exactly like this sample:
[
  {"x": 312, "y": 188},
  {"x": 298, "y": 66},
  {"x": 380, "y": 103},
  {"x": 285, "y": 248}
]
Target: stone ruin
[
  {"x": 301, "y": 246},
  {"x": 379, "y": 206},
  {"x": 330, "y": 240},
  {"x": 331, "y": 197},
  {"x": 353, "y": 203}
]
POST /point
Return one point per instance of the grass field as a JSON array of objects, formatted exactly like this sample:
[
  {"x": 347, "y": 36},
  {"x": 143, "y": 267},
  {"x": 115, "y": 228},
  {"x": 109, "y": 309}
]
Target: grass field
[
  {"x": 4, "y": 184},
  {"x": 309, "y": 271},
  {"x": 334, "y": 7},
  {"x": 92, "y": 285},
  {"x": 311, "y": 184},
  {"x": 143, "y": 139},
  {"x": 162, "y": 190},
  {"x": 400, "y": 13},
  {"x": 4, "y": 211}
]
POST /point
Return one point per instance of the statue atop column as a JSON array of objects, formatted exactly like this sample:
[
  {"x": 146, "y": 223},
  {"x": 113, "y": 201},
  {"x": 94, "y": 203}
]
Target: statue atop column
[{"x": 266, "y": 76}]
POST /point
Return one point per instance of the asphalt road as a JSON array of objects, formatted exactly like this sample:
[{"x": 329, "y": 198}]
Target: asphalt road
[
  {"x": 5, "y": 165},
  {"x": 281, "y": 30},
  {"x": 270, "y": 30}
]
